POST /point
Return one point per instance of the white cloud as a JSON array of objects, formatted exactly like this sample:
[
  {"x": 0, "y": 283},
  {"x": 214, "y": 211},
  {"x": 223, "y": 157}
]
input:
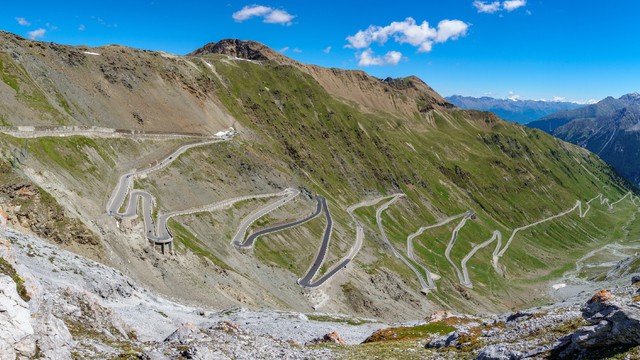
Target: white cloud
[
  {"x": 22, "y": 21},
  {"x": 296, "y": 50},
  {"x": 408, "y": 31},
  {"x": 35, "y": 34},
  {"x": 284, "y": 49},
  {"x": 513, "y": 96},
  {"x": 559, "y": 99},
  {"x": 511, "y": 5},
  {"x": 485, "y": 7},
  {"x": 81, "y": 27},
  {"x": 393, "y": 57},
  {"x": 495, "y": 6},
  {"x": 279, "y": 17},
  {"x": 268, "y": 15},
  {"x": 248, "y": 12},
  {"x": 367, "y": 58},
  {"x": 327, "y": 50}
]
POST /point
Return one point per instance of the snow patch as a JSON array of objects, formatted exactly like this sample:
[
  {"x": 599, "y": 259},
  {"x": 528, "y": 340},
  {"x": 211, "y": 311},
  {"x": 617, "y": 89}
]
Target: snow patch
[
  {"x": 559, "y": 286},
  {"x": 91, "y": 53}
]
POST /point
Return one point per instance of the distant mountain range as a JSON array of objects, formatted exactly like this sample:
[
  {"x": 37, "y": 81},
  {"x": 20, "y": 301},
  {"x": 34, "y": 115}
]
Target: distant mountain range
[
  {"x": 520, "y": 111},
  {"x": 610, "y": 128}
]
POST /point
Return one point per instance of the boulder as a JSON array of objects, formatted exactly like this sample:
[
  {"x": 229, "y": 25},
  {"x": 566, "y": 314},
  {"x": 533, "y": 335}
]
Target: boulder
[
  {"x": 334, "y": 337},
  {"x": 612, "y": 322},
  {"x": 498, "y": 352},
  {"x": 451, "y": 339}
]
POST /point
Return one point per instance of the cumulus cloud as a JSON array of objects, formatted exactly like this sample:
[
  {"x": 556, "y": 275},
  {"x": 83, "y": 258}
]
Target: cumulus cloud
[
  {"x": 367, "y": 58},
  {"x": 511, "y": 5},
  {"x": 490, "y": 7},
  {"x": 35, "y": 34},
  {"x": 422, "y": 35},
  {"x": 269, "y": 15},
  {"x": 327, "y": 50},
  {"x": 22, "y": 21},
  {"x": 485, "y": 7},
  {"x": 559, "y": 99}
]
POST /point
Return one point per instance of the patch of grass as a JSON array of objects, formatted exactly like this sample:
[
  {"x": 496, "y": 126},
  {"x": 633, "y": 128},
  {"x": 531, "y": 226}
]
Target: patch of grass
[
  {"x": 7, "y": 269},
  {"x": 411, "y": 332},
  {"x": 182, "y": 237},
  {"x": 337, "y": 319}
]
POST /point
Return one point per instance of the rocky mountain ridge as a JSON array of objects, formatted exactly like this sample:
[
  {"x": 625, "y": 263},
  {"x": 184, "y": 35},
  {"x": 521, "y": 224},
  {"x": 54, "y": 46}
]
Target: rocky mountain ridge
[
  {"x": 390, "y": 95},
  {"x": 520, "y": 111},
  {"x": 609, "y": 128}
]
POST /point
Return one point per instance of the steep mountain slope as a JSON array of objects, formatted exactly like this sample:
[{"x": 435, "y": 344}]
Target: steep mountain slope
[
  {"x": 610, "y": 128},
  {"x": 363, "y": 142},
  {"x": 520, "y": 111},
  {"x": 396, "y": 96}
]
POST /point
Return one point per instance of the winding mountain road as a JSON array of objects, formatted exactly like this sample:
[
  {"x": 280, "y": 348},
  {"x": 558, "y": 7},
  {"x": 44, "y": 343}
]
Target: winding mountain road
[
  {"x": 454, "y": 237},
  {"x": 423, "y": 283},
  {"x": 410, "y": 253},
  {"x": 251, "y": 239},
  {"x": 306, "y": 280},
  {"x": 158, "y": 234},
  {"x": 238, "y": 240},
  {"x": 498, "y": 252}
]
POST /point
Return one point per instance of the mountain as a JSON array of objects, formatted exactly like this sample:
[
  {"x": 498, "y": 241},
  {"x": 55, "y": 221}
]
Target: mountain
[
  {"x": 519, "y": 111},
  {"x": 609, "y": 128},
  {"x": 402, "y": 202}
]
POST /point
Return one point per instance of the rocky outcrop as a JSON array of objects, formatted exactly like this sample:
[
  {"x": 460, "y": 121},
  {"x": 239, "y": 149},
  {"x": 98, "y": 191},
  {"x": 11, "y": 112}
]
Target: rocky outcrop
[
  {"x": 613, "y": 322},
  {"x": 451, "y": 339},
  {"x": 499, "y": 352},
  {"x": 334, "y": 337},
  {"x": 250, "y": 50},
  {"x": 16, "y": 332},
  {"x": 28, "y": 206}
]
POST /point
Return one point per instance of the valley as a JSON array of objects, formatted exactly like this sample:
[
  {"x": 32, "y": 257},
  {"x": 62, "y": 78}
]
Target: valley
[{"x": 286, "y": 188}]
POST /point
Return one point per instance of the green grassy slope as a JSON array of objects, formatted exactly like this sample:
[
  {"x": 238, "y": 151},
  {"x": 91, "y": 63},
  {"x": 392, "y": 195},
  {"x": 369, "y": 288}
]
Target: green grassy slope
[{"x": 446, "y": 162}]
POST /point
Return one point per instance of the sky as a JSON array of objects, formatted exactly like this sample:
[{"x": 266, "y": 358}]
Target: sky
[{"x": 528, "y": 49}]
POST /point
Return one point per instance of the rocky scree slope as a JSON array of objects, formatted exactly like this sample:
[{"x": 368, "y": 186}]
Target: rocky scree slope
[
  {"x": 67, "y": 306},
  {"x": 610, "y": 128},
  {"x": 299, "y": 127}
]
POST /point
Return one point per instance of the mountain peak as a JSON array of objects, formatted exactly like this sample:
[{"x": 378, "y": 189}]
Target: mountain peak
[
  {"x": 633, "y": 97},
  {"x": 244, "y": 49}
]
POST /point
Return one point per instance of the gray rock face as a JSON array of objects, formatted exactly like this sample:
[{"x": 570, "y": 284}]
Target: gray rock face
[
  {"x": 16, "y": 332},
  {"x": 611, "y": 323},
  {"x": 499, "y": 352},
  {"x": 451, "y": 339}
]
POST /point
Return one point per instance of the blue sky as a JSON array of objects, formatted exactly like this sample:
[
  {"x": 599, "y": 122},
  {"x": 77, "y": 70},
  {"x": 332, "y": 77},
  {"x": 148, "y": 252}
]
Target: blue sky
[{"x": 577, "y": 50}]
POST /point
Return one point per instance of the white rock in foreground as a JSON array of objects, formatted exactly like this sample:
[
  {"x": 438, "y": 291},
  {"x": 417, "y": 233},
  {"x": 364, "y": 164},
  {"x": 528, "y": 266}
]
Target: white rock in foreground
[{"x": 16, "y": 332}]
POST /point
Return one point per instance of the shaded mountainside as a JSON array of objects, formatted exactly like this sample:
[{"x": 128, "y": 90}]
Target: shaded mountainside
[
  {"x": 520, "y": 111},
  {"x": 341, "y": 134},
  {"x": 610, "y": 128}
]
